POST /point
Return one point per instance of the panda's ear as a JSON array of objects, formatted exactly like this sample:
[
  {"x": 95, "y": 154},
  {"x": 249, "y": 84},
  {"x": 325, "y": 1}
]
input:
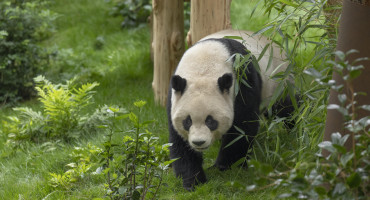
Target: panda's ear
[
  {"x": 178, "y": 83},
  {"x": 225, "y": 82}
]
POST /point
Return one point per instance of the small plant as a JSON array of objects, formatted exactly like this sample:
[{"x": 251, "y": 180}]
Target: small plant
[
  {"x": 134, "y": 169},
  {"x": 85, "y": 159},
  {"x": 61, "y": 117},
  {"x": 22, "y": 25},
  {"x": 134, "y": 12}
]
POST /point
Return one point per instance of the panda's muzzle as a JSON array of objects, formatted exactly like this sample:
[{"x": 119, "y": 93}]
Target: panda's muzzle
[
  {"x": 199, "y": 142},
  {"x": 197, "y": 145}
]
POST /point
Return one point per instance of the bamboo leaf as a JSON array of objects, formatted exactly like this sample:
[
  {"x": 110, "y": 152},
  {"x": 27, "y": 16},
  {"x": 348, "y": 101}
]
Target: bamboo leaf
[{"x": 232, "y": 142}]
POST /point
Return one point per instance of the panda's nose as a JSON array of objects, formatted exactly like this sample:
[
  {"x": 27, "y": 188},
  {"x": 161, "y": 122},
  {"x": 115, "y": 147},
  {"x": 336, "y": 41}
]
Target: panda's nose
[{"x": 199, "y": 142}]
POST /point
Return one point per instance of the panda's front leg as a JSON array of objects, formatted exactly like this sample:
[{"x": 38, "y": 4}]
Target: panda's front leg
[
  {"x": 229, "y": 154},
  {"x": 189, "y": 163}
]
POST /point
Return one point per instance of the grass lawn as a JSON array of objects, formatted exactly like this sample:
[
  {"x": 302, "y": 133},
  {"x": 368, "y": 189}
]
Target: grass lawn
[{"x": 124, "y": 70}]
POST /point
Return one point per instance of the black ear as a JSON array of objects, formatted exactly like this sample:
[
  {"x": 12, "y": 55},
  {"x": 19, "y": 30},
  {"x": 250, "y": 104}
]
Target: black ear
[
  {"x": 225, "y": 82},
  {"x": 178, "y": 83}
]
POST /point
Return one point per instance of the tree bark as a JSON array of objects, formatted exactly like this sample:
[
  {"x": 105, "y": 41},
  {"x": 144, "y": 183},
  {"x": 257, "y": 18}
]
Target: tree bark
[
  {"x": 354, "y": 33},
  {"x": 207, "y": 17},
  {"x": 168, "y": 44}
]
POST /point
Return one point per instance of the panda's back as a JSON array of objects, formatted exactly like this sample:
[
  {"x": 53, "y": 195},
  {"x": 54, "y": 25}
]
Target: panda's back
[{"x": 255, "y": 45}]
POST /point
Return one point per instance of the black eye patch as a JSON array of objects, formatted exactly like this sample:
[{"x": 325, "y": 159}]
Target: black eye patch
[
  {"x": 187, "y": 123},
  {"x": 211, "y": 123}
]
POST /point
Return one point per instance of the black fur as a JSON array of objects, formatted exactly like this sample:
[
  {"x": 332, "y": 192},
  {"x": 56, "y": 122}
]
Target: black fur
[
  {"x": 178, "y": 83},
  {"x": 246, "y": 115},
  {"x": 187, "y": 123},
  {"x": 225, "y": 82},
  {"x": 284, "y": 109},
  {"x": 211, "y": 123}
]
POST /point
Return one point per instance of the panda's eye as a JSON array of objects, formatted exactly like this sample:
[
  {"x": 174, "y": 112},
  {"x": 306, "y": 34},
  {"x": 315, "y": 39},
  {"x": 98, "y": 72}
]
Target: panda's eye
[
  {"x": 187, "y": 123},
  {"x": 211, "y": 123}
]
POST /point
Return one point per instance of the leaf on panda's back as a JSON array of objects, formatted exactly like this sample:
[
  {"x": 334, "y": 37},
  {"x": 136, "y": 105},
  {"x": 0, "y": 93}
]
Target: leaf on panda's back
[
  {"x": 236, "y": 139},
  {"x": 256, "y": 64},
  {"x": 245, "y": 83},
  {"x": 292, "y": 95},
  {"x": 263, "y": 52},
  {"x": 270, "y": 58},
  {"x": 262, "y": 30},
  {"x": 234, "y": 37},
  {"x": 236, "y": 87},
  {"x": 276, "y": 94}
]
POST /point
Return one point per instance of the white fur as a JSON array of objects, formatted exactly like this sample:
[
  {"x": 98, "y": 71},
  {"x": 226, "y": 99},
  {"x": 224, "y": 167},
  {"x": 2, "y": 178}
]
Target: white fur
[
  {"x": 201, "y": 66},
  {"x": 255, "y": 45}
]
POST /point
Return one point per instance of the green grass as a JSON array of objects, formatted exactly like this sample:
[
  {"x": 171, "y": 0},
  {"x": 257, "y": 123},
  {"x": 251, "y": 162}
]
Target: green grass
[{"x": 124, "y": 70}]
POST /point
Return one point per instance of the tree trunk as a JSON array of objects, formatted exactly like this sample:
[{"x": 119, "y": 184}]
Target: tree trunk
[
  {"x": 168, "y": 43},
  {"x": 354, "y": 33},
  {"x": 207, "y": 17}
]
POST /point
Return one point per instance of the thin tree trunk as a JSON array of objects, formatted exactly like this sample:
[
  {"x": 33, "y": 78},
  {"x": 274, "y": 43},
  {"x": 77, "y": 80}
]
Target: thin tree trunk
[
  {"x": 207, "y": 17},
  {"x": 354, "y": 33},
  {"x": 168, "y": 43}
]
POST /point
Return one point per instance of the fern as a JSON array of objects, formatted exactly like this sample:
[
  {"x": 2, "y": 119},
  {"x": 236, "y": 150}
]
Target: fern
[{"x": 60, "y": 118}]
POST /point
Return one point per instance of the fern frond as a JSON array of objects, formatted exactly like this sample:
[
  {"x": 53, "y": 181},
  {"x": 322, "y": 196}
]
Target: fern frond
[
  {"x": 29, "y": 114},
  {"x": 83, "y": 94}
]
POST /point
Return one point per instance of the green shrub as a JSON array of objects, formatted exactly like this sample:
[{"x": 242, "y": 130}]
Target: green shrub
[
  {"x": 344, "y": 174},
  {"x": 299, "y": 28},
  {"x": 22, "y": 25},
  {"x": 134, "y": 12},
  {"x": 134, "y": 169},
  {"x": 292, "y": 162},
  {"x": 85, "y": 160},
  {"x": 61, "y": 117}
]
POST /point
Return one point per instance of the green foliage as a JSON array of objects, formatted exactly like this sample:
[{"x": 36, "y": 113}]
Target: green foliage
[
  {"x": 299, "y": 28},
  {"x": 85, "y": 160},
  {"x": 134, "y": 12},
  {"x": 22, "y": 25},
  {"x": 66, "y": 64},
  {"x": 61, "y": 117},
  {"x": 135, "y": 167},
  {"x": 283, "y": 162},
  {"x": 341, "y": 175}
]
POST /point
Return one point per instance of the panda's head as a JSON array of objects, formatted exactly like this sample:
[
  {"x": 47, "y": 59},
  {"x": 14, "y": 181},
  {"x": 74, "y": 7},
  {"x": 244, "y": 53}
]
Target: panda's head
[{"x": 202, "y": 102}]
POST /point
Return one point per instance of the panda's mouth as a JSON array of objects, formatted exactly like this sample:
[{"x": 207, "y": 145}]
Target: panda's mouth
[{"x": 201, "y": 149}]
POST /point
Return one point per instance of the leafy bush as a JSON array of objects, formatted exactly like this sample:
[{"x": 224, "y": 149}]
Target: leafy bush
[
  {"x": 134, "y": 169},
  {"x": 61, "y": 117},
  {"x": 299, "y": 28},
  {"x": 344, "y": 174},
  {"x": 134, "y": 12},
  {"x": 299, "y": 169},
  {"x": 85, "y": 159},
  {"x": 22, "y": 25},
  {"x": 66, "y": 64}
]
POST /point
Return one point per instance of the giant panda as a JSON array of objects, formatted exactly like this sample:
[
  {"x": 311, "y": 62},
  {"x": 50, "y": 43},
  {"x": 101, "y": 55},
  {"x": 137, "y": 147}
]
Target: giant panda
[{"x": 203, "y": 105}]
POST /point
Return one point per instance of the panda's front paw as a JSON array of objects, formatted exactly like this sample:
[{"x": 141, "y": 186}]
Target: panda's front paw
[
  {"x": 190, "y": 183},
  {"x": 220, "y": 167},
  {"x": 189, "y": 187}
]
